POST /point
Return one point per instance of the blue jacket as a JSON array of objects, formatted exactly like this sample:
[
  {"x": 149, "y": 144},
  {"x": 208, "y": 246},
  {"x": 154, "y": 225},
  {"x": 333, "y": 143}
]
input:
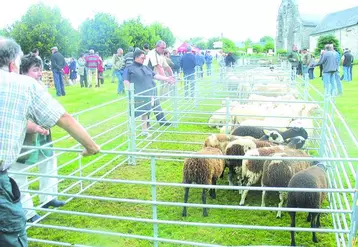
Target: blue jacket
[
  {"x": 209, "y": 59},
  {"x": 200, "y": 60},
  {"x": 188, "y": 63}
]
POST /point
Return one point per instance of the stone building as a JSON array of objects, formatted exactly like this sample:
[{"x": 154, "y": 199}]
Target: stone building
[
  {"x": 342, "y": 24},
  {"x": 292, "y": 27}
]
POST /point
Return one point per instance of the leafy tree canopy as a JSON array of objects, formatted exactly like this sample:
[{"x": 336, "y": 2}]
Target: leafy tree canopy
[
  {"x": 43, "y": 27},
  {"x": 163, "y": 33},
  {"x": 327, "y": 39},
  {"x": 267, "y": 39}
]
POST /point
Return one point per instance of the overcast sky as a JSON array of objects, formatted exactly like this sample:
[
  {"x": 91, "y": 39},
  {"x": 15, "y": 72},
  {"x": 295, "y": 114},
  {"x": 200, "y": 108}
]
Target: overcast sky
[{"x": 236, "y": 19}]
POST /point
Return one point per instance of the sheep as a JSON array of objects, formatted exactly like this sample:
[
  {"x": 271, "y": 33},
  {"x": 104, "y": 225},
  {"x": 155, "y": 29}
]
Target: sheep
[
  {"x": 281, "y": 137},
  {"x": 219, "y": 141},
  {"x": 202, "y": 171},
  {"x": 252, "y": 169},
  {"x": 238, "y": 148},
  {"x": 218, "y": 118},
  {"x": 313, "y": 177},
  {"x": 253, "y": 131},
  {"x": 307, "y": 124},
  {"x": 277, "y": 173}
]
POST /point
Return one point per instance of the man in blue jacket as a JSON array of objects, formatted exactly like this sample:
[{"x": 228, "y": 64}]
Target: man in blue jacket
[
  {"x": 188, "y": 63},
  {"x": 200, "y": 60}
]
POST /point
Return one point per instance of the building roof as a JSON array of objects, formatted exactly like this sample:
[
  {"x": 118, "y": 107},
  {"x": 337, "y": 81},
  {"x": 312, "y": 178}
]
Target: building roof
[
  {"x": 311, "y": 20},
  {"x": 338, "y": 20}
]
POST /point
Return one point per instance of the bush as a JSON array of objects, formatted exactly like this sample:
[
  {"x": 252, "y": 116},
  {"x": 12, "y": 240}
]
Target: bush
[{"x": 282, "y": 52}]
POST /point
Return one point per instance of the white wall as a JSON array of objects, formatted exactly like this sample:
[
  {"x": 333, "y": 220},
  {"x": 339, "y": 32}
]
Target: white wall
[{"x": 348, "y": 38}]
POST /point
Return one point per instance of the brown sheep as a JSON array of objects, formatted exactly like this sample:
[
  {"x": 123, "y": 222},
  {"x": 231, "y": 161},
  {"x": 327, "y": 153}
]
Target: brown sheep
[
  {"x": 277, "y": 173},
  {"x": 313, "y": 177},
  {"x": 202, "y": 171},
  {"x": 219, "y": 141}
]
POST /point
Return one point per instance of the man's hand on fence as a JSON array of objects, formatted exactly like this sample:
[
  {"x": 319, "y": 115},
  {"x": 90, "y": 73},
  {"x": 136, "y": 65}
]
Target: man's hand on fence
[{"x": 91, "y": 151}]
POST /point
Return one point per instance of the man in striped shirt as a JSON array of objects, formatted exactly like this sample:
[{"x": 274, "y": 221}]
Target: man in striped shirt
[{"x": 21, "y": 99}]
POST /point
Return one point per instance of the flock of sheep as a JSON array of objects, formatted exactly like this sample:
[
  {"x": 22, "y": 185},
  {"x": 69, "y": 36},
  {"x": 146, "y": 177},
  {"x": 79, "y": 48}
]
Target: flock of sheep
[{"x": 253, "y": 134}]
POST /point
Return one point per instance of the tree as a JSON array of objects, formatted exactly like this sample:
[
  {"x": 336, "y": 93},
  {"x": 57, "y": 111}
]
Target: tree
[
  {"x": 248, "y": 43},
  {"x": 43, "y": 27},
  {"x": 199, "y": 42},
  {"x": 268, "y": 46},
  {"x": 163, "y": 33},
  {"x": 101, "y": 34},
  {"x": 134, "y": 33},
  {"x": 211, "y": 42},
  {"x": 257, "y": 48},
  {"x": 267, "y": 39},
  {"x": 327, "y": 39},
  {"x": 229, "y": 46}
]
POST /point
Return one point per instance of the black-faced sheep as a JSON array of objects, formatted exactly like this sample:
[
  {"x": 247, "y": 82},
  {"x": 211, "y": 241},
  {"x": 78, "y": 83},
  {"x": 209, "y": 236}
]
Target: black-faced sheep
[
  {"x": 238, "y": 148},
  {"x": 313, "y": 177},
  {"x": 277, "y": 173},
  {"x": 253, "y": 131},
  {"x": 252, "y": 169},
  {"x": 280, "y": 137},
  {"x": 202, "y": 171}
]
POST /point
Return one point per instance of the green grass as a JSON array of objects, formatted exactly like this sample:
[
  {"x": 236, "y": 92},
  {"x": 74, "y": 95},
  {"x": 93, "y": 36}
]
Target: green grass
[{"x": 78, "y": 99}]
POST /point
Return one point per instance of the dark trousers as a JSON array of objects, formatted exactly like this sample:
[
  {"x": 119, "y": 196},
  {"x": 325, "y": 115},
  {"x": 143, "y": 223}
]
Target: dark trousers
[
  {"x": 83, "y": 79},
  {"x": 58, "y": 80},
  {"x": 320, "y": 70},
  {"x": 12, "y": 216},
  {"x": 310, "y": 73},
  {"x": 157, "y": 109}
]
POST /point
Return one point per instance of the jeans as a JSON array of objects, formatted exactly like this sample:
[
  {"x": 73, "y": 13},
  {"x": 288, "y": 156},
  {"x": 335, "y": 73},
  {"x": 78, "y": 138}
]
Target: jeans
[
  {"x": 329, "y": 83},
  {"x": 58, "y": 80},
  {"x": 310, "y": 73},
  {"x": 208, "y": 69},
  {"x": 189, "y": 85},
  {"x": 120, "y": 88},
  {"x": 83, "y": 78},
  {"x": 157, "y": 109},
  {"x": 347, "y": 73},
  {"x": 13, "y": 221},
  {"x": 305, "y": 72},
  {"x": 338, "y": 83}
]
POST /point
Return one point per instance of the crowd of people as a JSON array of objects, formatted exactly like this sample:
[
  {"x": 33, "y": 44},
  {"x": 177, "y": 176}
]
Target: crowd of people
[{"x": 303, "y": 62}]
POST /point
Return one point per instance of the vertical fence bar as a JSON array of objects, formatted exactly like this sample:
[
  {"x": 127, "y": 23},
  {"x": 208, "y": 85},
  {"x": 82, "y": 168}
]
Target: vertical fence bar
[
  {"x": 227, "y": 101},
  {"x": 132, "y": 125},
  {"x": 324, "y": 126},
  {"x": 306, "y": 87},
  {"x": 354, "y": 224},
  {"x": 195, "y": 84},
  {"x": 175, "y": 104},
  {"x": 154, "y": 199},
  {"x": 80, "y": 159}
]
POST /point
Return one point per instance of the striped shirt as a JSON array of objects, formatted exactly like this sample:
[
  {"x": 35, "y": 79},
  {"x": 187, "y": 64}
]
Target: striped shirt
[{"x": 22, "y": 98}]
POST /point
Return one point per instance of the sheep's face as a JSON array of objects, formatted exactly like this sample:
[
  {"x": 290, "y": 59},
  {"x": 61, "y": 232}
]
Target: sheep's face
[
  {"x": 296, "y": 142},
  {"x": 272, "y": 136},
  {"x": 298, "y": 131}
]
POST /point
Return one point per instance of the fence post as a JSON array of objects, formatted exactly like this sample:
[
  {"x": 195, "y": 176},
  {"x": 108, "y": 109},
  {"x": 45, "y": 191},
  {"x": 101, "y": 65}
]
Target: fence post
[
  {"x": 354, "y": 224},
  {"x": 131, "y": 125},
  {"x": 306, "y": 87},
  {"x": 80, "y": 159},
  {"x": 154, "y": 199},
  {"x": 326, "y": 102},
  {"x": 195, "y": 85},
  {"x": 175, "y": 105},
  {"x": 227, "y": 100}
]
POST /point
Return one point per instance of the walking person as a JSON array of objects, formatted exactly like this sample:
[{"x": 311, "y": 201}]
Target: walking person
[
  {"x": 73, "y": 71},
  {"x": 57, "y": 65},
  {"x": 82, "y": 70},
  {"x": 208, "y": 62},
  {"x": 118, "y": 67},
  {"x": 347, "y": 65},
  {"x": 92, "y": 61}
]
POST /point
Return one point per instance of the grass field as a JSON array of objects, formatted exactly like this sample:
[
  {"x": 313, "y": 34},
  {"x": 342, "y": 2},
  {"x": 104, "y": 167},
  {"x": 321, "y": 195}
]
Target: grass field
[{"x": 78, "y": 99}]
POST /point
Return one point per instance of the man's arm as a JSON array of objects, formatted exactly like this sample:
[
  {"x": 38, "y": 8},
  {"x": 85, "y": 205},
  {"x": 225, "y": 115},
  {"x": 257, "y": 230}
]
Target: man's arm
[
  {"x": 68, "y": 123},
  {"x": 33, "y": 128},
  {"x": 170, "y": 79}
]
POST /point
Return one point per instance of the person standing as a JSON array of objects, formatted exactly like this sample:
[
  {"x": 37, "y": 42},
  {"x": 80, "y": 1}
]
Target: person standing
[
  {"x": 118, "y": 67},
  {"x": 142, "y": 78},
  {"x": 57, "y": 64},
  {"x": 176, "y": 61},
  {"x": 21, "y": 99},
  {"x": 73, "y": 71},
  {"x": 92, "y": 61},
  {"x": 31, "y": 66},
  {"x": 188, "y": 63},
  {"x": 200, "y": 61},
  {"x": 208, "y": 61},
  {"x": 347, "y": 65},
  {"x": 306, "y": 63},
  {"x": 294, "y": 59},
  {"x": 82, "y": 71},
  {"x": 328, "y": 61},
  {"x": 159, "y": 65}
]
